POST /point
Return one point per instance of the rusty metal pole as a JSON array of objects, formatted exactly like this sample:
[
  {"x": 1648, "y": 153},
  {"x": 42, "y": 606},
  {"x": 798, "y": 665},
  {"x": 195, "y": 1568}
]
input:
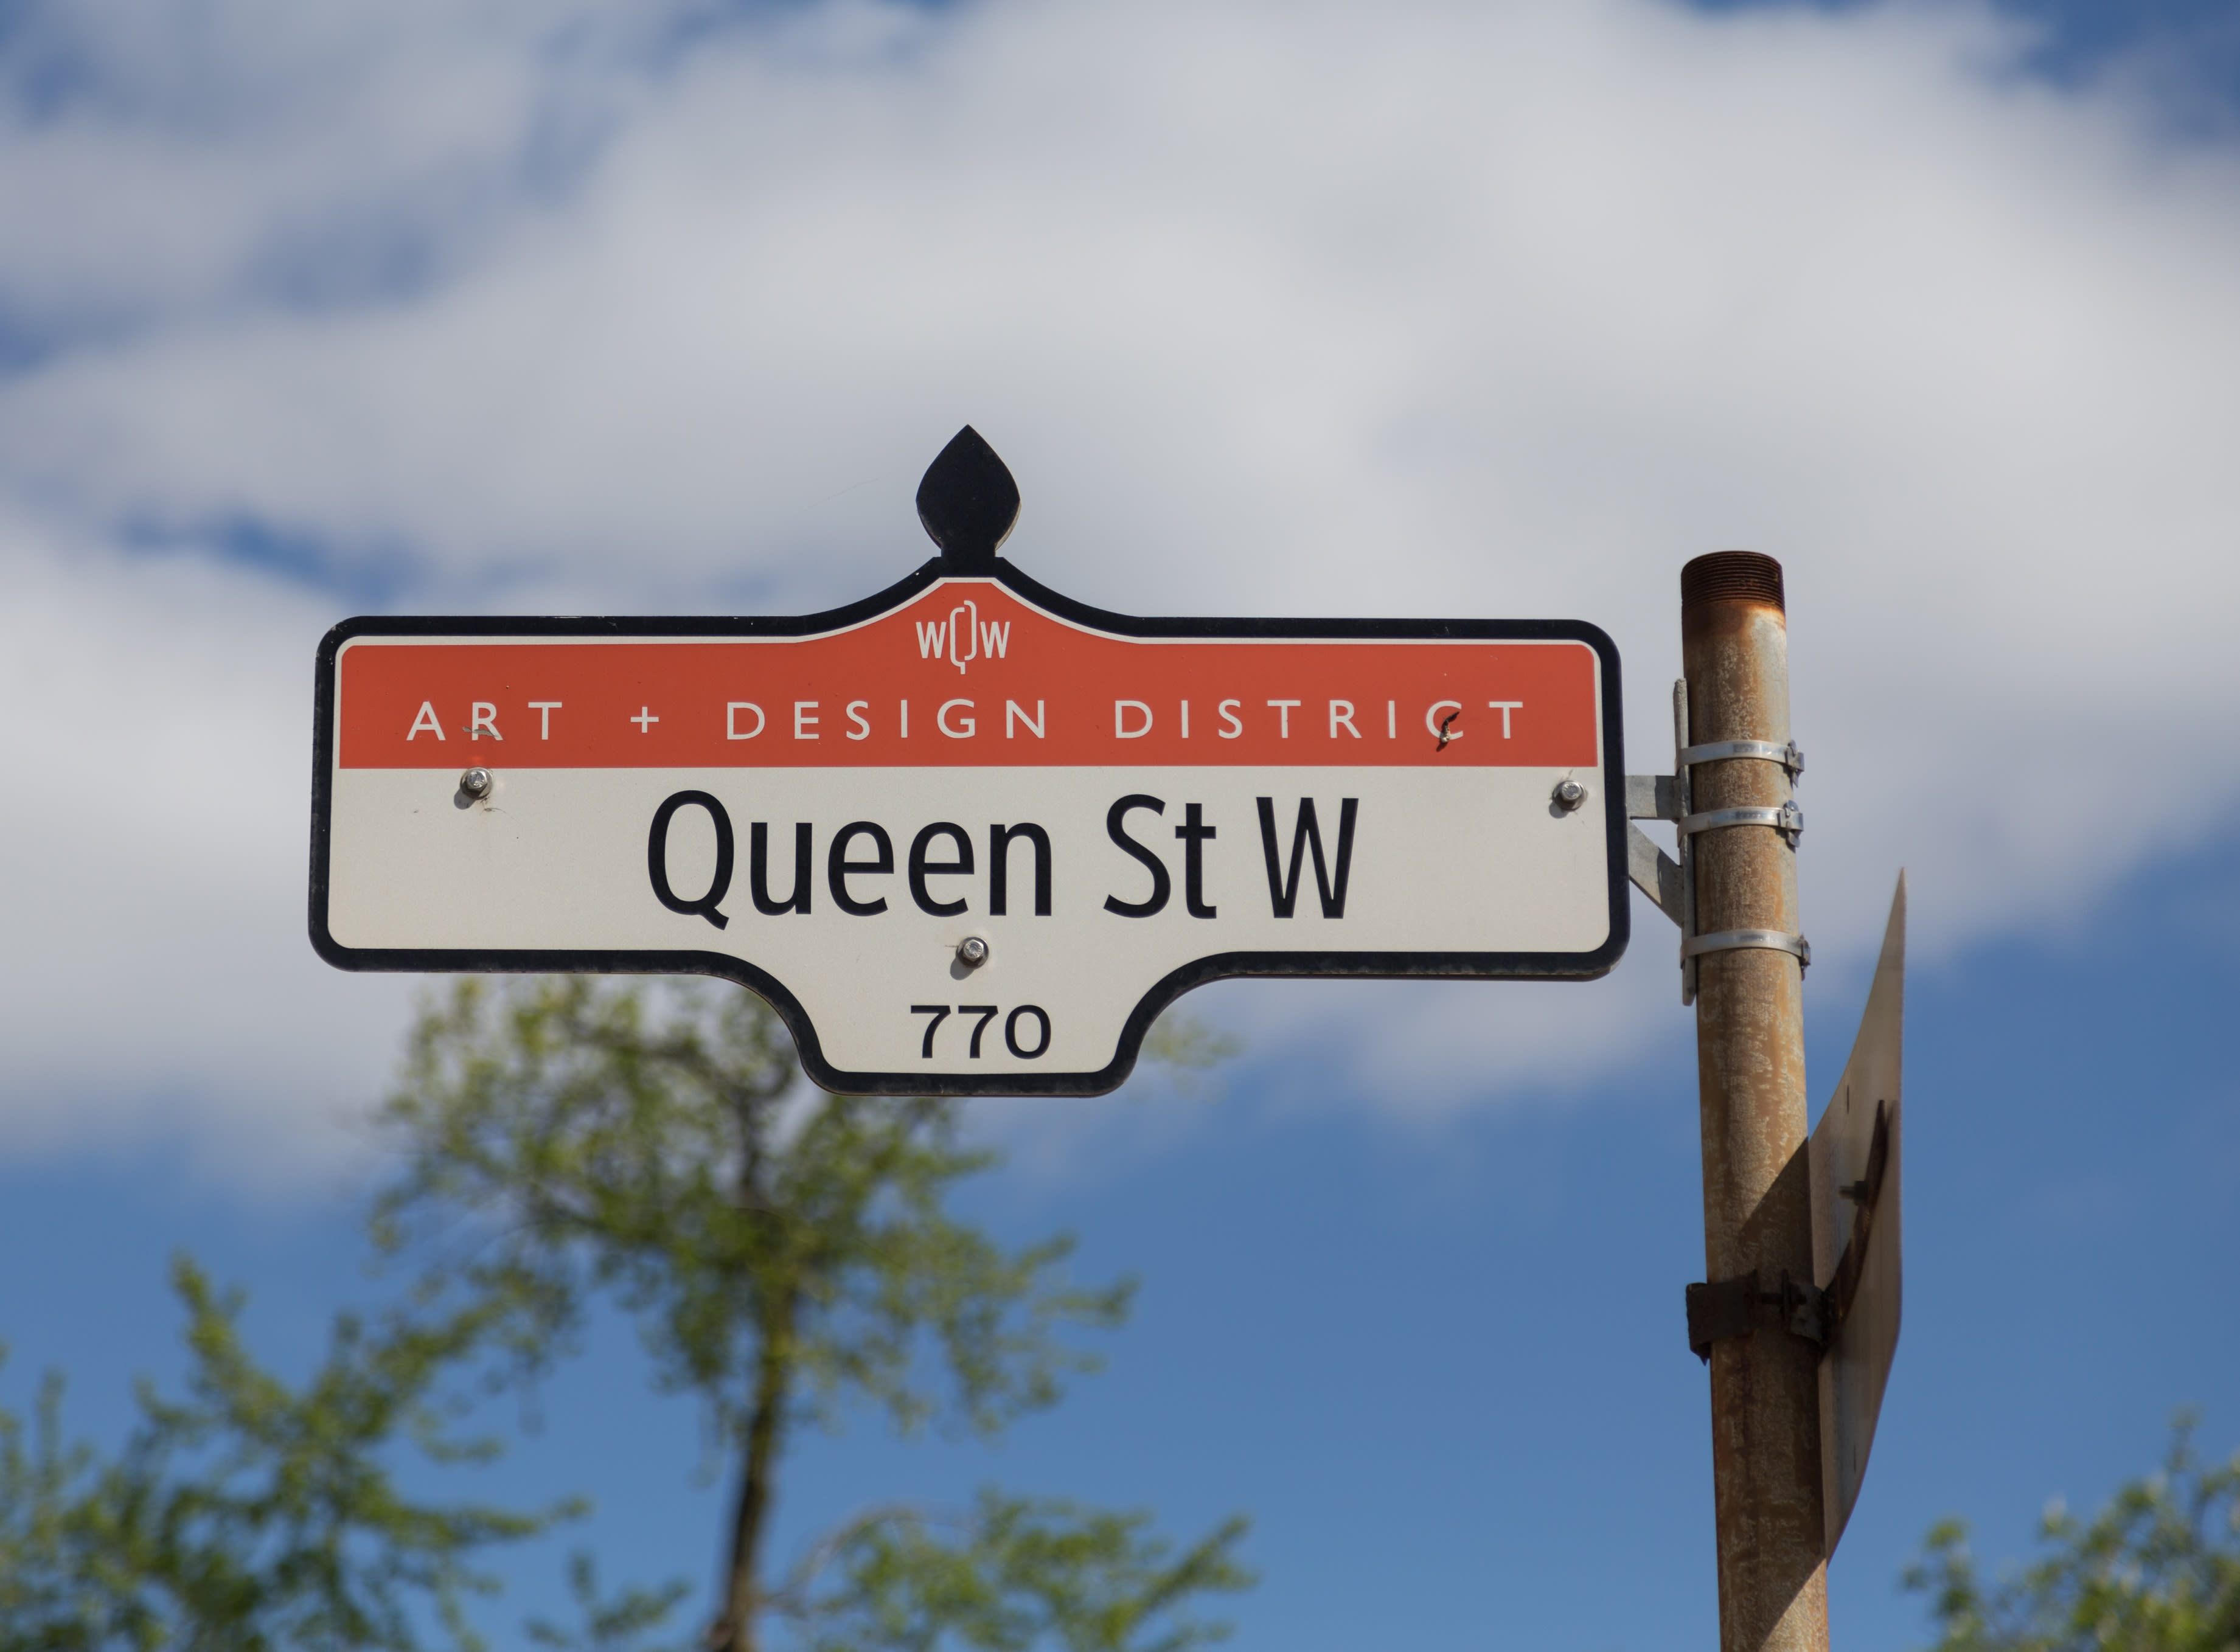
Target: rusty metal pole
[{"x": 1749, "y": 1057}]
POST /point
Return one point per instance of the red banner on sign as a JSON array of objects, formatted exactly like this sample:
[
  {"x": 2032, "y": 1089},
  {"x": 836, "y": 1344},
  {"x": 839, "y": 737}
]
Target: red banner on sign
[{"x": 965, "y": 675}]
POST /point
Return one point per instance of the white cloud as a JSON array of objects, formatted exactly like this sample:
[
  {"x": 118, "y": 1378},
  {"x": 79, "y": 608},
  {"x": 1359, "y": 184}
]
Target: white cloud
[
  {"x": 158, "y": 984},
  {"x": 1422, "y": 307}
]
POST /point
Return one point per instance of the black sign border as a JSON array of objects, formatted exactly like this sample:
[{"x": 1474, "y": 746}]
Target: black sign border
[{"x": 1496, "y": 966}]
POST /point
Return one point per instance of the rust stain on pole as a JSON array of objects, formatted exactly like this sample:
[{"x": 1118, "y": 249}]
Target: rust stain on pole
[{"x": 1749, "y": 1055}]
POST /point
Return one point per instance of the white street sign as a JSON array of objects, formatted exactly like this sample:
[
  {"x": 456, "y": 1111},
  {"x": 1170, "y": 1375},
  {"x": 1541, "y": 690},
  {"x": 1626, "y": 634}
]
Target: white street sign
[{"x": 830, "y": 810}]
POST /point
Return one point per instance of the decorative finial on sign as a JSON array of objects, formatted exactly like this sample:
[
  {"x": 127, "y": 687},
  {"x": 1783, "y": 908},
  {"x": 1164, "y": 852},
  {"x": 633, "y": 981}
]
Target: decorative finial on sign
[{"x": 968, "y": 502}]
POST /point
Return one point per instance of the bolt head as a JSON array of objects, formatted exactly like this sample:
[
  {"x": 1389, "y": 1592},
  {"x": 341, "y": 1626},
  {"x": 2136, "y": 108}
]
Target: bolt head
[
  {"x": 972, "y": 951},
  {"x": 1570, "y": 794},
  {"x": 478, "y": 782}
]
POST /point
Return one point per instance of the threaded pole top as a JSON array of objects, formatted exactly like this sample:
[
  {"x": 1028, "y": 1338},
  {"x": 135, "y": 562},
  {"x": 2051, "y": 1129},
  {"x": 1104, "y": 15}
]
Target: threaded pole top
[{"x": 1731, "y": 577}]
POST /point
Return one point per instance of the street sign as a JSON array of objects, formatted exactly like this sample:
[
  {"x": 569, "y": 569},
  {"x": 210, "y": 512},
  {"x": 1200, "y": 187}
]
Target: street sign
[
  {"x": 1854, "y": 1166},
  {"x": 970, "y": 836}
]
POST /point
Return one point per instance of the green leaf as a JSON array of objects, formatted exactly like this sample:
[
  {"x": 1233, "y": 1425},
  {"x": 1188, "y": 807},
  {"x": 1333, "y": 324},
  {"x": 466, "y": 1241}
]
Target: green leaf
[
  {"x": 1014, "y": 1574},
  {"x": 2157, "y": 1570},
  {"x": 788, "y": 1256},
  {"x": 248, "y": 1513}
]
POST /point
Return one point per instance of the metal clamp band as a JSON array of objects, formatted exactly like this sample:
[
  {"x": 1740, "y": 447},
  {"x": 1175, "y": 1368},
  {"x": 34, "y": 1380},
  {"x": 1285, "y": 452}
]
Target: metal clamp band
[
  {"x": 1734, "y": 1308},
  {"x": 1750, "y": 940},
  {"x": 1787, "y": 819},
  {"x": 1724, "y": 750}
]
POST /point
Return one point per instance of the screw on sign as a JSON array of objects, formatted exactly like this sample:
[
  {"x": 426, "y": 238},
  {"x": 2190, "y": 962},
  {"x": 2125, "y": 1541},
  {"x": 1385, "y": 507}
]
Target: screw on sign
[{"x": 970, "y": 836}]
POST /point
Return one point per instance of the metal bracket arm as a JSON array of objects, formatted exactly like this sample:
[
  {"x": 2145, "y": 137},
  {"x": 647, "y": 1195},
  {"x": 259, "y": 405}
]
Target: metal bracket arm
[
  {"x": 1654, "y": 873},
  {"x": 1652, "y": 798},
  {"x": 1735, "y": 1306},
  {"x": 1659, "y": 877}
]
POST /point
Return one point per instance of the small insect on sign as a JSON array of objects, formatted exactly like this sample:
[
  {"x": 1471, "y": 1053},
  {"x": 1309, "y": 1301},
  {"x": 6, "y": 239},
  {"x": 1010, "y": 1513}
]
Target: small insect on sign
[{"x": 969, "y": 837}]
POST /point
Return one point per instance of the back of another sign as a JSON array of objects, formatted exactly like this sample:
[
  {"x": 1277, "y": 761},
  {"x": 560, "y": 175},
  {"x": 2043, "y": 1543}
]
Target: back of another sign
[{"x": 1854, "y": 1162}]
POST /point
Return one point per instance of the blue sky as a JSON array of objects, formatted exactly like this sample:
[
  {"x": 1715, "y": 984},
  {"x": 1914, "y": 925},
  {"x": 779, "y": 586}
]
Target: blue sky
[
  {"x": 1446, "y": 1368},
  {"x": 2197, "y": 42},
  {"x": 1500, "y": 310}
]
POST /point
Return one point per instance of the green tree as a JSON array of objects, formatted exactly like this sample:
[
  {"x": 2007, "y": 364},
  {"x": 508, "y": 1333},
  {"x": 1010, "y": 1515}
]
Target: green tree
[
  {"x": 2157, "y": 1570},
  {"x": 786, "y": 1254},
  {"x": 249, "y": 1513}
]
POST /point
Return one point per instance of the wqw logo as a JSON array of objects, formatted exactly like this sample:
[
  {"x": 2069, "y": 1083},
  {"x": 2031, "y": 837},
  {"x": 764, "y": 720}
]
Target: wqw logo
[{"x": 963, "y": 637}]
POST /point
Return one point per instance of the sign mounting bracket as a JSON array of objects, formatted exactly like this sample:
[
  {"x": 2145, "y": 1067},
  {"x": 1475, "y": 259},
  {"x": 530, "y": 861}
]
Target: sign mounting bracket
[{"x": 1654, "y": 873}]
